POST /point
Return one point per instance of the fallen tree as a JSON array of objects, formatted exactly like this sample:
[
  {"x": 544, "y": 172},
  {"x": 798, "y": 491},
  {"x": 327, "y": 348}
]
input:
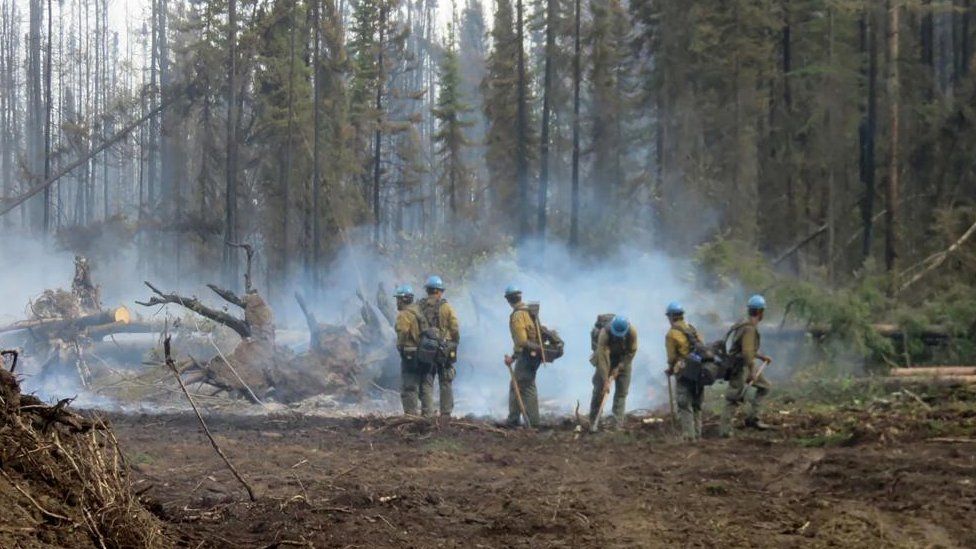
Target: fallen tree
[
  {"x": 340, "y": 361},
  {"x": 62, "y": 326}
]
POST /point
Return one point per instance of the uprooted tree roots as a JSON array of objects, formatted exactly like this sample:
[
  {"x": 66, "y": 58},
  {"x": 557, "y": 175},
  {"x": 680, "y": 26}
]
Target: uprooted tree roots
[{"x": 63, "y": 479}]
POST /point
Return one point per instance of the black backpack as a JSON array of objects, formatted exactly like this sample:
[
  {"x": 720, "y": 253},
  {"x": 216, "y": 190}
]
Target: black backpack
[
  {"x": 705, "y": 364},
  {"x": 552, "y": 345}
]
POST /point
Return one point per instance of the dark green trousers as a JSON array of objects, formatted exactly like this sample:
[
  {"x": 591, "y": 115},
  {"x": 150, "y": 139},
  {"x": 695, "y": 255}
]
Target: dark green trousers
[
  {"x": 525, "y": 371},
  {"x": 417, "y": 384}
]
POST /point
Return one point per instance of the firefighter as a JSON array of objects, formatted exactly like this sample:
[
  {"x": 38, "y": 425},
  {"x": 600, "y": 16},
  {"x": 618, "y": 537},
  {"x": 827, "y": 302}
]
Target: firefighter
[
  {"x": 689, "y": 393},
  {"x": 441, "y": 316},
  {"x": 744, "y": 350},
  {"x": 526, "y": 356},
  {"x": 616, "y": 347},
  {"x": 417, "y": 379}
]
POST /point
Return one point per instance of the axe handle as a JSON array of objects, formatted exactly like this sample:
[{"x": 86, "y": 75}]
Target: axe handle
[
  {"x": 603, "y": 399},
  {"x": 758, "y": 373}
]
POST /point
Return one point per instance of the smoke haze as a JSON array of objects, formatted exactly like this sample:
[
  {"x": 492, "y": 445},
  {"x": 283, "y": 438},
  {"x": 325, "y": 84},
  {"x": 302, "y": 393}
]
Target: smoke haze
[{"x": 572, "y": 292}]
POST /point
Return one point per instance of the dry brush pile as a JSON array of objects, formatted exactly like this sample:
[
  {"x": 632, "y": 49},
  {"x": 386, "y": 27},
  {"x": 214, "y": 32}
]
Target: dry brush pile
[{"x": 63, "y": 479}]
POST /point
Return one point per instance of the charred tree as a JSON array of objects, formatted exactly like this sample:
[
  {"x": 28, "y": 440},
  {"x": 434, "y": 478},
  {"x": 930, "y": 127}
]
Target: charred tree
[
  {"x": 577, "y": 75},
  {"x": 230, "y": 193},
  {"x": 892, "y": 219},
  {"x": 521, "y": 125},
  {"x": 867, "y": 130},
  {"x": 550, "y": 51}
]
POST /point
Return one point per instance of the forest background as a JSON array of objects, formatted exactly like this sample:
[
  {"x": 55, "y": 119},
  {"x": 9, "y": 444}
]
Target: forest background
[{"x": 817, "y": 150}]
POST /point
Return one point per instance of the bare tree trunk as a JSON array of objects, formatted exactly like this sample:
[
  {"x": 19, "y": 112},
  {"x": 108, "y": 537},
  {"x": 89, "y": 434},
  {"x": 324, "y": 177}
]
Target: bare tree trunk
[
  {"x": 868, "y": 130},
  {"x": 38, "y": 206},
  {"x": 831, "y": 221},
  {"x": 47, "y": 117},
  {"x": 892, "y": 216},
  {"x": 287, "y": 157},
  {"x": 575, "y": 206},
  {"x": 152, "y": 175},
  {"x": 546, "y": 107},
  {"x": 316, "y": 137},
  {"x": 6, "y": 91},
  {"x": 230, "y": 195},
  {"x": 378, "y": 138},
  {"x": 521, "y": 152}
]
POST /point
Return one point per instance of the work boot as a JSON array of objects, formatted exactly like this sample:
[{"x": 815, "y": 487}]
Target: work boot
[{"x": 754, "y": 423}]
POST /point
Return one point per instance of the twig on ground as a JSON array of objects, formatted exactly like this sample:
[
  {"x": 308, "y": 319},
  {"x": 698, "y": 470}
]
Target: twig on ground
[{"x": 213, "y": 442}]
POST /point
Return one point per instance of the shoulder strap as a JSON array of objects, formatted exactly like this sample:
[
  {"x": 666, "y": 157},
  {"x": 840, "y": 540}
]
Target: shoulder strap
[
  {"x": 691, "y": 334},
  {"x": 734, "y": 334},
  {"x": 521, "y": 307},
  {"x": 432, "y": 312},
  {"x": 420, "y": 318}
]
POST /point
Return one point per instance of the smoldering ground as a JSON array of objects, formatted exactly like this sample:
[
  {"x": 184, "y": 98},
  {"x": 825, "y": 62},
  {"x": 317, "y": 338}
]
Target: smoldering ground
[{"x": 572, "y": 291}]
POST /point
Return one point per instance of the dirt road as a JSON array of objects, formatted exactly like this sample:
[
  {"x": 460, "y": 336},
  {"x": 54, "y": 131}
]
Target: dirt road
[{"x": 368, "y": 483}]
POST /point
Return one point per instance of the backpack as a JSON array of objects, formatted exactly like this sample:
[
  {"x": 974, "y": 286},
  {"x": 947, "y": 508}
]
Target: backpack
[
  {"x": 434, "y": 349},
  {"x": 705, "y": 364},
  {"x": 601, "y": 322},
  {"x": 552, "y": 345},
  {"x": 731, "y": 349}
]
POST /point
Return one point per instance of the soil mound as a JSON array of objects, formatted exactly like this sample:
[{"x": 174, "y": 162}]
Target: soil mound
[{"x": 63, "y": 479}]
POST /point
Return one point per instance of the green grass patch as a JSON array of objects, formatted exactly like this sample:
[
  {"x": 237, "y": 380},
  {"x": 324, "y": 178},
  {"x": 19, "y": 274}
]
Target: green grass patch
[
  {"x": 446, "y": 445},
  {"x": 823, "y": 441}
]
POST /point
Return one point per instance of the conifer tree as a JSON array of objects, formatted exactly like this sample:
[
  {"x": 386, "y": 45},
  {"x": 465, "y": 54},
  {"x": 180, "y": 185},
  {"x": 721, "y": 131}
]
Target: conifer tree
[{"x": 451, "y": 113}]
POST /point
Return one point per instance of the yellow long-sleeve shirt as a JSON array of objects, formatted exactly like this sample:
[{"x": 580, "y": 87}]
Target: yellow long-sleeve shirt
[
  {"x": 408, "y": 327},
  {"x": 677, "y": 343},
  {"x": 615, "y": 351},
  {"x": 745, "y": 344},
  {"x": 522, "y": 327}
]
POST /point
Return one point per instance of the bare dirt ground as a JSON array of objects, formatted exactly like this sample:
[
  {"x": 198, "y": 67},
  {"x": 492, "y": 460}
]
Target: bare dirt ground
[{"x": 890, "y": 472}]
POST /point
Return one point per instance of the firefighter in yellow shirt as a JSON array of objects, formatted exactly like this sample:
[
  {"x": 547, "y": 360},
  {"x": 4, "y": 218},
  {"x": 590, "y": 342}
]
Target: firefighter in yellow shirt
[
  {"x": 527, "y": 357},
  {"x": 689, "y": 393},
  {"x": 417, "y": 379},
  {"x": 616, "y": 347},
  {"x": 440, "y": 315}
]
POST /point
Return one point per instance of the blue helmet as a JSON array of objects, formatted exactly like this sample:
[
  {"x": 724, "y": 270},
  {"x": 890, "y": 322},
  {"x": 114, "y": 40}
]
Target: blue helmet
[
  {"x": 512, "y": 289},
  {"x": 403, "y": 291},
  {"x": 619, "y": 326},
  {"x": 757, "y": 302},
  {"x": 675, "y": 309},
  {"x": 434, "y": 282}
]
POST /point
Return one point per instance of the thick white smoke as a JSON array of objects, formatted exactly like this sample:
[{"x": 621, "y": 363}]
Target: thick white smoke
[{"x": 572, "y": 292}]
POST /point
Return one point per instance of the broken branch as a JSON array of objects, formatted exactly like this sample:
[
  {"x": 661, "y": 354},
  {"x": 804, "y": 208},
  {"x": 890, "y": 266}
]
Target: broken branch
[
  {"x": 933, "y": 261},
  {"x": 249, "y": 251},
  {"x": 228, "y": 295},
  {"x": 193, "y": 304}
]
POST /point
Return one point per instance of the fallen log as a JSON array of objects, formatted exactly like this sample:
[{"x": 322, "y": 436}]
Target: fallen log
[
  {"x": 110, "y": 316},
  {"x": 934, "y": 371},
  {"x": 961, "y": 379},
  {"x": 100, "y": 332}
]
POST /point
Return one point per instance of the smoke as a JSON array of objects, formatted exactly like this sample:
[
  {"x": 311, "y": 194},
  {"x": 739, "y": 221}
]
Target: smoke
[{"x": 572, "y": 290}]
